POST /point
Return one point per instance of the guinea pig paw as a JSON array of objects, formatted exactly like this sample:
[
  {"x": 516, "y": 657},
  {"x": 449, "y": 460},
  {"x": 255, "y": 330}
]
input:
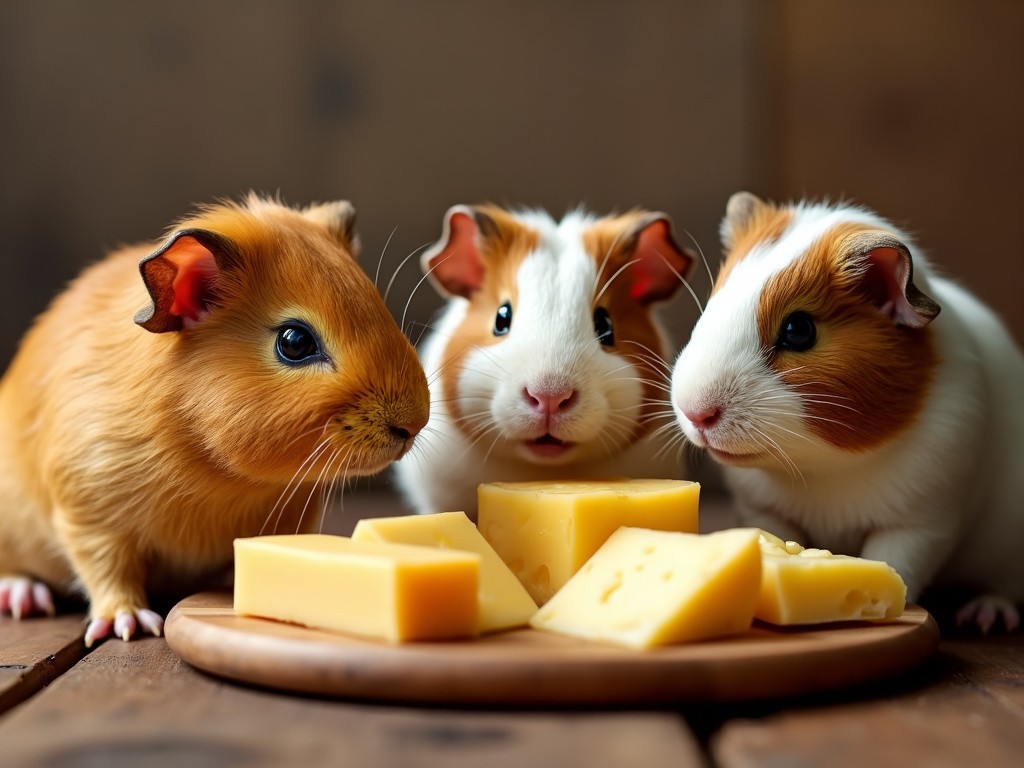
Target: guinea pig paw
[
  {"x": 986, "y": 611},
  {"x": 21, "y": 596},
  {"x": 124, "y": 625}
]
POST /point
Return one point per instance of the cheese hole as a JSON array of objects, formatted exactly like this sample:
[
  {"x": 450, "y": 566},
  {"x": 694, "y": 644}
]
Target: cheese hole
[
  {"x": 612, "y": 588},
  {"x": 649, "y": 550},
  {"x": 666, "y": 576},
  {"x": 855, "y": 600}
]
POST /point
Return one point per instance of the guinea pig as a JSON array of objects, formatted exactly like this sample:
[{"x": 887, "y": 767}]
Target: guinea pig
[
  {"x": 177, "y": 396},
  {"x": 849, "y": 413},
  {"x": 548, "y": 361}
]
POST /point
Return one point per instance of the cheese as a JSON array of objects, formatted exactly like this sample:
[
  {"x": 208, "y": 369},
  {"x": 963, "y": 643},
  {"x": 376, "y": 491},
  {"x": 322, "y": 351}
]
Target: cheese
[
  {"x": 811, "y": 586},
  {"x": 545, "y": 531},
  {"x": 389, "y": 591},
  {"x": 503, "y": 602},
  {"x": 647, "y": 588}
]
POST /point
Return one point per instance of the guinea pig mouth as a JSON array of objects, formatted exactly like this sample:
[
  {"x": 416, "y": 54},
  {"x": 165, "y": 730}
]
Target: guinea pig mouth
[{"x": 548, "y": 446}]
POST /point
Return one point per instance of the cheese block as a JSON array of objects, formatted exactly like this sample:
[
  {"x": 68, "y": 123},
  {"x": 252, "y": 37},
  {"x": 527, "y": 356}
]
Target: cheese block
[
  {"x": 503, "y": 602},
  {"x": 393, "y": 592},
  {"x": 812, "y": 586},
  {"x": 646, "y": 588},
  {"x": 545, "y": 531}
]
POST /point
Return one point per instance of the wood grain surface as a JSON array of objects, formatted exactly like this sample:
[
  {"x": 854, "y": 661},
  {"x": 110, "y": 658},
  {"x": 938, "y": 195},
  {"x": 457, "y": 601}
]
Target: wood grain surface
[
  {"x": 35, "y": 651},
  {"x": 137, "y": 703},
  {"x": 967, "y": 711},
  {"x": 527, "y": 667}
]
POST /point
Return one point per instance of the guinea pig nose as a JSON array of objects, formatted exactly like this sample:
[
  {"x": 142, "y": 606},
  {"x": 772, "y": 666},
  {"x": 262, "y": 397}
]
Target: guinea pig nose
[
  {"x": 703, "y": 418},
  {"x": 547, "y": 401},
  {"x": 404, "y": 431}
]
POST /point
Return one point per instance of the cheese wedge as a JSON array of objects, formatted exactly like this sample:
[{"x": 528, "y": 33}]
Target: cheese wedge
[
  {"x": 812, "y": 586},
  {"x": 503, "y": 602},
  {"x": 545, "y": 531},
  {"x": 647, "y": 588},
  {"x": 393, "y": 592}
]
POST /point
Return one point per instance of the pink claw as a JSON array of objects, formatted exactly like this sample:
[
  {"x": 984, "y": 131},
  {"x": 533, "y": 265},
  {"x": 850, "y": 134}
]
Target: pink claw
[
  {"x": 124, "y": 626},
  {"x": 986, "y": 611},
  {"x": 98, "y": 629},
  {"x": 21, "y": 596}
]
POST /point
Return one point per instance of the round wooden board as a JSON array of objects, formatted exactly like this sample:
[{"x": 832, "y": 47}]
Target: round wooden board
[{"x": 529, "y": 667}]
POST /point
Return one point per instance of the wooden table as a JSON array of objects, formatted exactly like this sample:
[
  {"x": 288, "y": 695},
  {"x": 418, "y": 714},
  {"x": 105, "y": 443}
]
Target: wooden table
[{"x": 138, "y": 704}]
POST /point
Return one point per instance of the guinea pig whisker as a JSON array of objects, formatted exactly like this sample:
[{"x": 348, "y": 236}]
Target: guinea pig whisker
[
  {"x": 333, "y": 486},
  {"x": 650, "y": 355},
  {"x": 376, "y": 275},
  {"x": 317, "y": 486},
  {"x": 282, "y": 501},
  {"x": 493, "y": 443},
  {"x": 677, "y": 443},
  {"x": 608, "y": 282},
  {"x": 685, "y": 282},
  {"x": 413, "y": 293},
  {"x": 775, "y": 450},
  {"x": 703, "y": 258},
  {"x": 398, "y": 269}
]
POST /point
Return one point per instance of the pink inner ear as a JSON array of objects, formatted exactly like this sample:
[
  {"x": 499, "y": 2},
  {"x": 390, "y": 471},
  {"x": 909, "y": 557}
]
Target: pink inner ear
[
  {"x": 656, "y": 275},
  {"x": 884, "y": 283},
  {"x": 195, "y": 281},
  {"x": 458, "y": 267}
]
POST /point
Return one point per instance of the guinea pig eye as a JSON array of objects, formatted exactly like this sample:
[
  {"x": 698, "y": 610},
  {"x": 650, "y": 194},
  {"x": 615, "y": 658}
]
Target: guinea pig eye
[
  {"x": 603, "y": 327},
  {"x": 296, "y": 343},
  {"x": 797, "y": 332},
  {"x": 503, "y": 320}
]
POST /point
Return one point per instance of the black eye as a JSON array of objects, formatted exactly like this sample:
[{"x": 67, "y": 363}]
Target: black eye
[
  {"x": 503, "y": 320},
  {"x": 797, "y": 332},
  {"x": 296, "y": 343},
  {"x": 603, "y": 327}
]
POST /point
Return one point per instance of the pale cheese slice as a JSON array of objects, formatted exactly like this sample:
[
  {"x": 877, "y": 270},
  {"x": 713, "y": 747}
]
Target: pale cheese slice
[
  {"x": 545, "y": 531},
  {"x": 813, "y": 586},
  {"x": 504, "y": 602},
  {"x": 394, "y": 592},
  {"x": 646, "y": 588}
]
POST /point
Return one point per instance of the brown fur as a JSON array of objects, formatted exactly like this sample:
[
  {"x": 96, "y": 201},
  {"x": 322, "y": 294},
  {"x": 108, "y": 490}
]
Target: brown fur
[
  {"x": 502, "y": 250},
  {"x": 861, "y": 361},
  {"x": 764, "y": 225},
  {"x": 128, "y": 458},
  {"x": 636, "y": 335}
]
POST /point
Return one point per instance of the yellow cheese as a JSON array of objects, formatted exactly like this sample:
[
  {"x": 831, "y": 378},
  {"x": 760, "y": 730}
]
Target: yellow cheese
[
  {"x": 545, "y": 531},
  {"x": 811, "y": 586},
  {"x": 504, "y": 602},
  {"x": 394, "y": 592},
  {"x": 646, "y": 588}
]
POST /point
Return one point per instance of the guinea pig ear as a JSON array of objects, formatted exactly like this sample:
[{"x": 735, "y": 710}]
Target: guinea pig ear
[
  {"x": 454, "y": 263},
  {"x": 887, "y": 280},
  {"x": 339, "y": 219},
  {"x": 181, "y": 277},
  {"x": 739, "y": 212},
  {"x": 660, "y": 264}
]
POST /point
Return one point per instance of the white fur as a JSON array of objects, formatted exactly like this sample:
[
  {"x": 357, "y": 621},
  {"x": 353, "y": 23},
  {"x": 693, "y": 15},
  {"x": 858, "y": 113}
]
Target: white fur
[
  {"x": 551, "y": 338},
  {"x": 943, "y": 502}
]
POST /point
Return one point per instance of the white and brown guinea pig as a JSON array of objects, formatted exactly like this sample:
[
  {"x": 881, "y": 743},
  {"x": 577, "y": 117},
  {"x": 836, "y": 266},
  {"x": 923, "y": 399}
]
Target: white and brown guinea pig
[
  {"x": 547, "y": 362},
  {"x": 149, "y": 419},
  {"x": 849, "y": 413}
]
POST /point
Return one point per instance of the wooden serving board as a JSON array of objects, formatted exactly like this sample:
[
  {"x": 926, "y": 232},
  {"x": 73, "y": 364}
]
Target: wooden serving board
[{"x": 529, "y": 667}]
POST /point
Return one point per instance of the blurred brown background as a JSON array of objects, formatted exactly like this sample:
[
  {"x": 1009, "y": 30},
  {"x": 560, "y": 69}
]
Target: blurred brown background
[{"x": 115, "y": 117}]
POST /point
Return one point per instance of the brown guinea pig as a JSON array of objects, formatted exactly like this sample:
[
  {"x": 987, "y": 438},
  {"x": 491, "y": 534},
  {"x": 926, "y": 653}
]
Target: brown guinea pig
[{"x": 147, "y": 421}]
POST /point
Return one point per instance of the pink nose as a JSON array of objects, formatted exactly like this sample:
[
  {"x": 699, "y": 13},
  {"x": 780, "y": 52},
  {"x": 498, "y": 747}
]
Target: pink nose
[
  {"x": 703, "y": 418},
  {"x": 405, "y": 431},
  {"x": 548, "y": 402}
]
